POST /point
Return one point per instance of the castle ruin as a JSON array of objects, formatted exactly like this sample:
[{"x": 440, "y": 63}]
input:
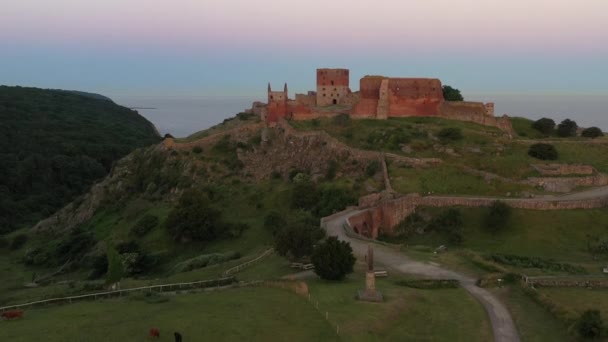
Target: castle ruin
[{"x": 379, "y": 97}]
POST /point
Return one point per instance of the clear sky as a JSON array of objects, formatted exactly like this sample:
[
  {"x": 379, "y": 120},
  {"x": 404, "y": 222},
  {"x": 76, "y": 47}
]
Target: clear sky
[{"x": 225, "y": 47}]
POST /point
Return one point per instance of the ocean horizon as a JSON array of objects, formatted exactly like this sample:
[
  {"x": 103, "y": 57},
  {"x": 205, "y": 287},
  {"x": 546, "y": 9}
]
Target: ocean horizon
[{"x": 182, "y": 115}]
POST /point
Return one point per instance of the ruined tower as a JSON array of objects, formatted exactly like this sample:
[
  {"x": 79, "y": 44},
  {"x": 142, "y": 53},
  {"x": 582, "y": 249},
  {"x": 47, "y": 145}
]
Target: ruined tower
[
  {"x": 332, "y": 86},
  {"x": 277, "y": 104}
]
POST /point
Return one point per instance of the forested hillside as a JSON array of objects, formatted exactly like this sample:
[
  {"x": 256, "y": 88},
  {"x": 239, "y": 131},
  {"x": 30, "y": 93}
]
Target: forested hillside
[{"x": 54, "y": 144}]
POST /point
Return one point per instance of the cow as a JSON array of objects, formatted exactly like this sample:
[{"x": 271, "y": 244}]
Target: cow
[
  {"x": 154, "y": 333},
  {"x": 14, "y": 314}
]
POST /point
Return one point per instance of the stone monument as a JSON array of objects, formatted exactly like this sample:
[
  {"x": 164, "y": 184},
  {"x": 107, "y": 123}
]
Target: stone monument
[{"x": 370, "y": 293}]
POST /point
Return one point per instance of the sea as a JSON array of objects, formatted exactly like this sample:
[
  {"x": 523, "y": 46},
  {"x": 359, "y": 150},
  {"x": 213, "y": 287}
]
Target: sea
[{"x": 181, "y": 116}]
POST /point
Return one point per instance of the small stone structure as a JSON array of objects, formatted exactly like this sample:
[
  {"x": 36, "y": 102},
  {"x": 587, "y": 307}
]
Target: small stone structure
[{"x": 370, "y": 294}]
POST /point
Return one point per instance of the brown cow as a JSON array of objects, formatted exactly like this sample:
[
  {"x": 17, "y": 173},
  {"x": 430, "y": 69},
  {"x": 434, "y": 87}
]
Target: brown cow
[
  {"x": 14, "y": 314},
  {"x": 154, "y": 333}
]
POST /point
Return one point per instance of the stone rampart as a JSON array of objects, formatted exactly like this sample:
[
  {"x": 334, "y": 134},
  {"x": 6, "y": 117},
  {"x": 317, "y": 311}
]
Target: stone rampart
[
  {"x": 386, "y": 214},
  {"x": 476, "y": 112}
]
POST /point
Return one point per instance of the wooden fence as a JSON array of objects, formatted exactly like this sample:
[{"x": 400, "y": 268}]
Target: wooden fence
[
  {"x": 108, "y": 294},
  {"x": 240, "y": 267}
]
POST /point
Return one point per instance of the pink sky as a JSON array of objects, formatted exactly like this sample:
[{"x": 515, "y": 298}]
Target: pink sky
[{"x": 498, "y": 25}]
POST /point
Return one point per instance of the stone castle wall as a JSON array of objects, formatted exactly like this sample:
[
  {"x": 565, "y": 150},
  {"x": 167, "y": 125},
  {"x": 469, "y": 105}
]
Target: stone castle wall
[
  {"x": 332, "y": 86},
  {"x": 475, "y": 112}
]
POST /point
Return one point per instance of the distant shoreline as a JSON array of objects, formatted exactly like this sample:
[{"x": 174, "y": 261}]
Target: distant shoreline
[{"x": 143, "y": 108}]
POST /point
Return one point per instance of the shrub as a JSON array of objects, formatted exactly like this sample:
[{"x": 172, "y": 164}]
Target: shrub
[
  {"x": 315, "y": 122},
  {"x": 372, "y": 168},
  {"x": 195, "y": 219},
  {"x": 274, "y": 222},
  {"x": 333, "y": 259},
  {"x": 533, "y": 262},
  {"x": 543, "y": 151},
  {"x": 498, "y": 216},
  {"x": 544, "y": 125},
  {"x": 245, "y": 116},
  {"x": 567, "y": 128},
  {"x": 144, "y": 225},
  {"x": 18, "y": 241},
  {"x": 449, "y": 134},
  {"x": 590, "y": 324},
  {"x": 592, "y": 132},
  {"x": 332, "y": 168},
  {"x": 449, "y": 222},
  {"x": 297, "y": 240},
  {"x": 451, "y": 94},
  {"x": 197, "y": 150},
  {"x": 99, "y": 266}
]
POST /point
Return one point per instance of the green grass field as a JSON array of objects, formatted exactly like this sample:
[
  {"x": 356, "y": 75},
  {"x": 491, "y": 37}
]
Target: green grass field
[
  {"x": 559, "y": 235},
  {"x": 251, "y": 314},
  {"x": 533, "y": 322},
  {"x": 262, "y": 314},
  {"x": 580, "y": 299},
  {"x": 406, "y": 315}
]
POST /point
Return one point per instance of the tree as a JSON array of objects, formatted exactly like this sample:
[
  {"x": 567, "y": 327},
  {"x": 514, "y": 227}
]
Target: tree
[
  {"x": 544, "y": 125},
  {"x": 449, "y": 222},
  {"x": 567, "y": 128},
  {"x": 451, "y": 94},
  {"x": 592, "y": 132},
  {"x": 498, "y": 216},
  {"x": 333, "y": 259},
  {"x": 274, "y": 222},
  {"x": 543, "y": 151},
  {"x": 590, "y": 324},
  {"x": 297, "y": 240},
  {"x": 195, "y": 219}
]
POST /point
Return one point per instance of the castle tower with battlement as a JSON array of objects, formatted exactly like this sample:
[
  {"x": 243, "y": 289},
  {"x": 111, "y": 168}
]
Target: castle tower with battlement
[
  {"x": 277, "y": 104},
  {"x": 332, "y": 86}
]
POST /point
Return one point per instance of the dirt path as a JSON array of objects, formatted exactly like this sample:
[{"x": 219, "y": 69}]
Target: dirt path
[{"x": 502, "y": 324}]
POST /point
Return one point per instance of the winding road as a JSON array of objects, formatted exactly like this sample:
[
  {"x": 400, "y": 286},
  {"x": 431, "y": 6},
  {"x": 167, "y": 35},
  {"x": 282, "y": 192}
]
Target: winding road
[{"x": 502, "y": 324}]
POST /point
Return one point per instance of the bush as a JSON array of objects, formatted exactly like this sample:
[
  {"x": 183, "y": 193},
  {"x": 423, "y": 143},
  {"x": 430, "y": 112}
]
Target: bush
[
  {"x": 245, "y": 116},
  {"x": 590, "y": 324},
  {"x": 592, "y": 132},
  {"x": 144, "y": 225},
  {"x": 372, "y": 168},
  {"x": 449, "y": 134},
  {"x": 543, "y": 151},
  {"x": 274, "y": 222},
  {"x": 567, "y": 128},
  {"x": 297, "y": 240},
  {"x": 451, "y": 94},
  {"x": 332, "y": 168},
  {"x": 544, "y": 125},
  {"x": 4, "y": 243},
  {"x": 195, "y": 219},
  {"x": 532, "y": 262},
  {"x": 197, "y": 150},
  {"x": 333, "y": 259},
  {"x": 498, "y": 216},
  {"x": 449, "y": 222},
  {"x": 18, "y": 241},
  {"x": 315, "y": 122}
]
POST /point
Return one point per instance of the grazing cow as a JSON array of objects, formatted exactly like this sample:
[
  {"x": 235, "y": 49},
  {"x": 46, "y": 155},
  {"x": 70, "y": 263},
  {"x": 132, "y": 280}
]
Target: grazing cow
[
  {"x": 154, "y": 333},
  {"x": 178, "y": 336},
  {"x": 12, "y": 314}
]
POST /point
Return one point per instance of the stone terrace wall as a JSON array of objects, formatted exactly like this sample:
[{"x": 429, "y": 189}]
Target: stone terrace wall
[
  {"x": 388, "y": 214},
  {"x": 474, "y": 112},
  {"x": 563, "y": 169}
]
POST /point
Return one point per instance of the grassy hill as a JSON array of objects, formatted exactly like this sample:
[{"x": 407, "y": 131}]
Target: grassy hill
[
  {"x": 239, "y": 174},
  {"x": 55, "y": 144}
]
